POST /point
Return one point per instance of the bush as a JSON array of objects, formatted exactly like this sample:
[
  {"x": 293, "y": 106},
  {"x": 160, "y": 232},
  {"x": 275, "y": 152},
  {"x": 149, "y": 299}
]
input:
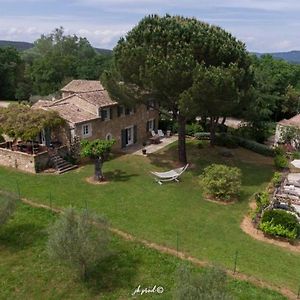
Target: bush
[
  {"x": 221, "y": 182},
  {"x": 280, "y": 161},
  {"x": 280, "y": 223},
  {"x": 200, "y": 144},
  {"x": 226, "y": 140},
  {"x": 7, "y": 207},
  {"x": 262, "y": 200},
  {"x": 255, "y": 147},
  {"x": 296, "y": 155},
  {"x": 277, "y": 178},
  {"x": 74, "y": 240},
  {"x": 193, "y": 128},
  {"x": 210, "y": 284},
  {"x": 202, "y": 135}
]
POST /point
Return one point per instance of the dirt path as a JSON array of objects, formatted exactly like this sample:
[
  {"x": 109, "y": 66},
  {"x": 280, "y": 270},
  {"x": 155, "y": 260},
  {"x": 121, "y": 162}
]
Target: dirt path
[{"x": 181, "y": 255}]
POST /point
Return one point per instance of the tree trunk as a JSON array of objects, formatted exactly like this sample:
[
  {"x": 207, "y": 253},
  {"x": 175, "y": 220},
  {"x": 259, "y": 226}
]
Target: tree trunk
[
  {"x": 223, "y": 121},
  {"x": 212, "y": 131},
  {"x": 181, "y": 139},
  {"x": 98, "y": 169}
]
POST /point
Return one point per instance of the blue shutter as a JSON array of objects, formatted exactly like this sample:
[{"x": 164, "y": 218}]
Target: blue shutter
[{"x": 123, "y": 138}]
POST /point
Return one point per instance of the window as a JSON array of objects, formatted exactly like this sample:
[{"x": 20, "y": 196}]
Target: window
[
  {"x": 129, "y": 111},
  {"x": 105, "y": 114},
  {"x": 121, "y": 110},
  {"x": 151, "y": 125},
  {"x": 109, "y": 137},
  {"x": 151, "y": 105},
  {"x": 86, "y": 130}
]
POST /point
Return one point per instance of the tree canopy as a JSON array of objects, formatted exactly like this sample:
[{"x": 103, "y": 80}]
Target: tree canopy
[
  {"x": 158, "y": 59},
  {"x": 98, "y": 150},
  {"x": 21, "y": 121}
]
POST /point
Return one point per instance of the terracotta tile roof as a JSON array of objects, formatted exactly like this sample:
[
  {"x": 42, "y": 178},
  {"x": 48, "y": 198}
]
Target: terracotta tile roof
[
  {"x": 98, "y": 98},
  {"x": 72, "y": 113},
  {"x": 42, "y": 104},
  {"x": 82, "y": 86},
  {"x": 294, "y": 121}
]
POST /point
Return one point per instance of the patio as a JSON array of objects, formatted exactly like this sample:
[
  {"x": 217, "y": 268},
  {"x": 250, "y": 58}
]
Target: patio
[{"x": 152, "y": 148}]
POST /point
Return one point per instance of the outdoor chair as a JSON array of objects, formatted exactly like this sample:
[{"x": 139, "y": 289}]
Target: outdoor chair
[
  {"x": 160, "y": 133},
  {"x": 171, "y": 175}
]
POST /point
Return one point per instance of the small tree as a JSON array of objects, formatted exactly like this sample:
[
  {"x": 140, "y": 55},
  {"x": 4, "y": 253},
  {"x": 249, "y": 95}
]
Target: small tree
[
  {"x": 290, "y": 135},
  {"x": 221, "y": 182},
  {"x": 98, "y": 150},
  {"x": 7, "y": 207},
  {"x": 211, "y": 284},
  {"x": 75, "y": 241}
]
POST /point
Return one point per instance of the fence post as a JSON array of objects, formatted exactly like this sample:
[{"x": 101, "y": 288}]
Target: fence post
[
  {"x": 50, "y": 199},
  {"x": 235, "y": 261},
  {"x": 177, "y": 242},
  {"x": 18, "y": 190}
]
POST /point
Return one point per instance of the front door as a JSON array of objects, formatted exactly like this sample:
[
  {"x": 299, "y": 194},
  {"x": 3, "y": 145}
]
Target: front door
[{"x": 129, "y": 136}]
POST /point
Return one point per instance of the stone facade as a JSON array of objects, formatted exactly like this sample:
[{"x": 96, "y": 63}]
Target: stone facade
[
  {"x": 112, "y": 128},
  {"x": 23, "y": 161}
]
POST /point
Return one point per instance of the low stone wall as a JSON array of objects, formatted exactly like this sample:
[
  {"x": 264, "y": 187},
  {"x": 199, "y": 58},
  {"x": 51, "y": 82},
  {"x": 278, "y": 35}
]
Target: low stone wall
[{"x": 23, "y": 161}]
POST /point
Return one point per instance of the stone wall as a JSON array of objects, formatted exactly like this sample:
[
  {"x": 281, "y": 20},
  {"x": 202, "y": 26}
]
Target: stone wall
[
  {"x": 100, "y": 128},
  {"x": 23, "y": 161}
]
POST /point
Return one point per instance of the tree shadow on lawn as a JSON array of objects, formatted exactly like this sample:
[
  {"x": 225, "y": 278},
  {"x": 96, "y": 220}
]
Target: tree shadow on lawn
[
  {"x": 21, "y": 236},
  {"x": 118, "y": 175},
  {"x": 118, "y": 270}
]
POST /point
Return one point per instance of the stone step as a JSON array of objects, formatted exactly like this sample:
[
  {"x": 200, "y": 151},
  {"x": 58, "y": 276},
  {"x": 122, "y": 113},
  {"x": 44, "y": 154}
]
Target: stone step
[{"x": 72, "y": 167}]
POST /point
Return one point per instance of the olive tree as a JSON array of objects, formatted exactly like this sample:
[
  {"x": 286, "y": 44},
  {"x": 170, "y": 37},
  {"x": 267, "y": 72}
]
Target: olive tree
[
  {"x": 79, "y": 241},
  {"x": 98, "y": 150},
  {"x": 210, "y": 284},
  {"x": 7, "y": 207},
  {"x": 157, "y": 60}
]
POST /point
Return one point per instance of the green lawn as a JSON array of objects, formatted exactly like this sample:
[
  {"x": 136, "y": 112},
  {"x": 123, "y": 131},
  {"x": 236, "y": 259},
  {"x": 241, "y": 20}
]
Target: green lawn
[
  {"x": 26, "y": 272},
  {"x": 133, "y": 202}
]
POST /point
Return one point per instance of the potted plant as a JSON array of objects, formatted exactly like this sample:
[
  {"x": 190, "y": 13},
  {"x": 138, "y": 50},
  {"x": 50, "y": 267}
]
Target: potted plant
[{"x": 144, "y": 150}]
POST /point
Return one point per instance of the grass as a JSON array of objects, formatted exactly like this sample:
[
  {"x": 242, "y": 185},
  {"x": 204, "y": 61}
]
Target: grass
[
  {"x": 133, "y": 202},
  {"x": 27, "y": 273}
]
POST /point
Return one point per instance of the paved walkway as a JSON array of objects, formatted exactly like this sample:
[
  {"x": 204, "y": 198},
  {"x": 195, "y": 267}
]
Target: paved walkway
[
  {"x": 4, "y": 103},
  {"x": 137, "y": 149}
]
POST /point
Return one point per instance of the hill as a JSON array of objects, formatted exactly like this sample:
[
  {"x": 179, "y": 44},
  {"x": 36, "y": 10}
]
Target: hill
[
  {"x": 291, "y": 56},
  {"x": 22, "y": 46}
]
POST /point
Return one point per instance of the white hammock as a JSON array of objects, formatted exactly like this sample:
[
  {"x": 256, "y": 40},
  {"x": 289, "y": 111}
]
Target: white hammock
[{"x": 169, "y": 175}]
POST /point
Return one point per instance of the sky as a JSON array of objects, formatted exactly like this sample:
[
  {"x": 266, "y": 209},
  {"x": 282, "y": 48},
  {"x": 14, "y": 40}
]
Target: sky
[{"x": 263, "y": 25}]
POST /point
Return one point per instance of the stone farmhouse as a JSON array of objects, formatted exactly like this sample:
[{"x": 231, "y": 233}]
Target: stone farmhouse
[{"x": 90, "y": 114}]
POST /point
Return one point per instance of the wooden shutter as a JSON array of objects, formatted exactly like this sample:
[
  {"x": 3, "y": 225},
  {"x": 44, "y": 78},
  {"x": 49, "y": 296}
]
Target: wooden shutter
[
  {"x": 134, "y": 134},
  {"x": 127, "y": 111},
  {"x": 111, "y": 113},
  {"x": 102, "y": 114},
  {"x": 119, "y": 111},
  {"x": 123, "y": 138},
  {"x": 147, "y": 126}
]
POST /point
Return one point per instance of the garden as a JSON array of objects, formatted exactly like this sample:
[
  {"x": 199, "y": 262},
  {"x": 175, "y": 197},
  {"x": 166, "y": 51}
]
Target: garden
[{"x": 175, "y": 215}]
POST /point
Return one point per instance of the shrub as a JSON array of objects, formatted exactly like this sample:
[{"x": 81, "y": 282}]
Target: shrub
[
  {"x": 262, "y": 200},
  {"x": 74, "y": 240},
  {"x": 280, "y": 161},
  {"x": 7, "y": 207},
  {"x": 277, "y": 178},
  {"x": 280, "y": 223},
  {"x": 226, "y": 140},
  {"x": 256, "y": 147},
  {"x": 200, "y": 144},
  {"x": 210, "y": 284},
  {"x": 221, "y": 182},
  {"x": 193, "y": 128},
  {"x": 296, "y": 155},
  {"x": 202, "y": 135}
]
